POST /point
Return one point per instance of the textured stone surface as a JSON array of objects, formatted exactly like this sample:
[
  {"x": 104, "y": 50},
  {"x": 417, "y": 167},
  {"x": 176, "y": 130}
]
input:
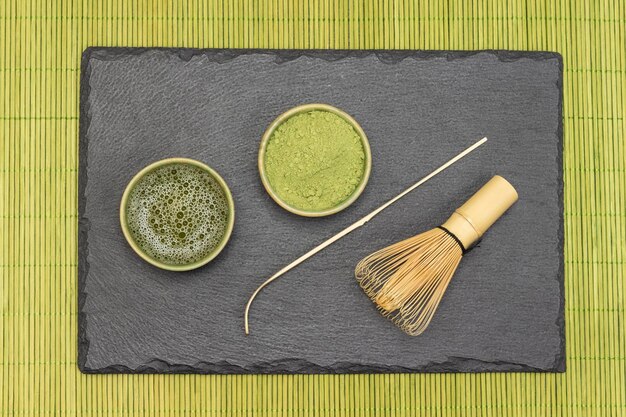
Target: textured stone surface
[{"x": 503, "y": 310}]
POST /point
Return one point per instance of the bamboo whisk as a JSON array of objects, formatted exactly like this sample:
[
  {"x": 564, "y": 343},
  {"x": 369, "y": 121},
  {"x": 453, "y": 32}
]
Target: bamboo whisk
[{"x": 407, "y": 280}]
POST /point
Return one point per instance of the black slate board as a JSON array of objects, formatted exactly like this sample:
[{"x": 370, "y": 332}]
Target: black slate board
[{"x": 504, "y": 308}]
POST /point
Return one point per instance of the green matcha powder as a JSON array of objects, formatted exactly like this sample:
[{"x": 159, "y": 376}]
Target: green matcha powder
[{"x": 314, "y": 161}]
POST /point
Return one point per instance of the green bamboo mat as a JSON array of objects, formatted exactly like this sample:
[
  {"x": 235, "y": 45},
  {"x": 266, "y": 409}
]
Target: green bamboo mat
[{"x": 41, "y": 43}]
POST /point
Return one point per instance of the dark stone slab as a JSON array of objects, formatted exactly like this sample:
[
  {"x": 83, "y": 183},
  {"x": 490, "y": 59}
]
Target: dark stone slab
[{"x": 504, "y": 308}]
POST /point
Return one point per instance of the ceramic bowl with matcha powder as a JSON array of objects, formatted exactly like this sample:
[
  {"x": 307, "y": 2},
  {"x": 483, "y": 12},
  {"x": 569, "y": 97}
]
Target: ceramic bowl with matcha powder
[
  {"x": 177, "y": 214},
  {"x": 314, "y": 160}
]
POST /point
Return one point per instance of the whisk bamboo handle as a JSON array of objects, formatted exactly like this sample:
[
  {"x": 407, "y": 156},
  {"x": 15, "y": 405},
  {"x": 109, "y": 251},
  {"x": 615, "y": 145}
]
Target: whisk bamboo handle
[{"x": 470, "y": 221}]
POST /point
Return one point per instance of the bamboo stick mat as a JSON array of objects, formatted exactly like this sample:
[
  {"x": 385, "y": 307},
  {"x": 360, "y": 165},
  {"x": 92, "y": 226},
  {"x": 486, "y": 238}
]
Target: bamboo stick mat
[{"x": 41, "y": 43}]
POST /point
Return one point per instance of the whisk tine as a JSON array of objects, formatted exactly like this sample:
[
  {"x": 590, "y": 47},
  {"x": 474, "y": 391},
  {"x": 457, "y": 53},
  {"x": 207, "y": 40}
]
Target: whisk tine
[
  {"x": 416, "y": 315},
  {"x": 407, "y": 280}
]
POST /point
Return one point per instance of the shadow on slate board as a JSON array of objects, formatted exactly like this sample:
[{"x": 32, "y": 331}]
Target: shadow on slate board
[{"x": 503, "y": 310}]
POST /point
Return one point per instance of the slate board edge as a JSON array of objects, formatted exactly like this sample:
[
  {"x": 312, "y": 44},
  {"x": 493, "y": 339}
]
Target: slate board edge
[{"x": 296, "y": 366}]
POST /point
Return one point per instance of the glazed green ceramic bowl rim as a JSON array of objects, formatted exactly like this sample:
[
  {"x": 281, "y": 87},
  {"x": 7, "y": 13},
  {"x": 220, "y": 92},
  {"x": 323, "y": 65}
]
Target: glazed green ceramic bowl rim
[
  {"x": 305, "y": 108},
  {"x": 148, "y": 258}
]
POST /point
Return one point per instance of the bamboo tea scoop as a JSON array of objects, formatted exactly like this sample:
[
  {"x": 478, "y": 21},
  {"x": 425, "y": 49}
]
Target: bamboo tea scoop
[{"x": 354, "y": 226}]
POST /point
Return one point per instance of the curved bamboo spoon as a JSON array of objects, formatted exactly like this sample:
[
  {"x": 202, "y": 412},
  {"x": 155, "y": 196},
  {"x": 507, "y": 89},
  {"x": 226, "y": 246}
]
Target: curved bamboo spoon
[{"x": 353, "y": 227}]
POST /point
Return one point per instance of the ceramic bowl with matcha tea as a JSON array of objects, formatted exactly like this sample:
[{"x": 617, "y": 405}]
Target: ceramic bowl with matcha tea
[
  {"x": 177, "y": 214},
  {"x": 314, "y": 160}
]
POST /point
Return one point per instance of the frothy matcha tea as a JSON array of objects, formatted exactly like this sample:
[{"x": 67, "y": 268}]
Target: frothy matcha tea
[{"x": 177, "y": 214}]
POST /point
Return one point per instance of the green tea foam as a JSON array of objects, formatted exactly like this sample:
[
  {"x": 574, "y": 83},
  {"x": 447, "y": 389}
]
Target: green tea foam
[{"x": 177, "y": 214}]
